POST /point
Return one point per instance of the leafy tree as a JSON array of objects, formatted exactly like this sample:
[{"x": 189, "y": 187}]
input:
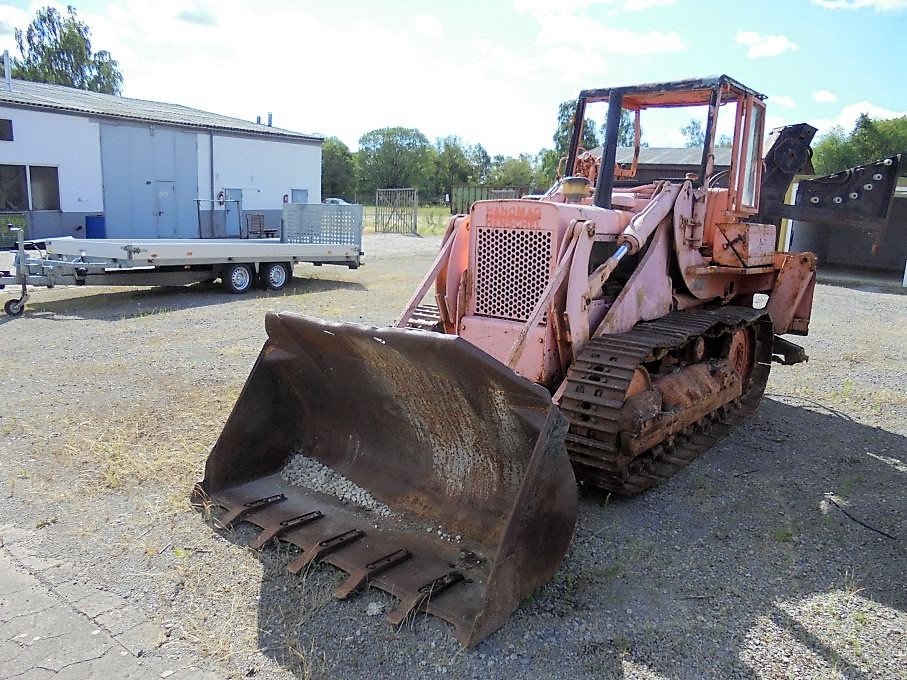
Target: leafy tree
[
  {"x": 451, "y": 165},
  {"x": 695, "y": 136},
  {"x": 564, "y": 130},
  {"x": 512, "y": 171},
  {"x": 546, "y": 168},
  {"x": 338, "y": 172},
  {"x": 693, "y": 133},
  {"x": 392, "y": 157},
  {"x": 626, "y": 130},
  {"x": 480, "y": 162},
  {"x": 57, "y": 49},
  {"x": 869, "y": 141}
]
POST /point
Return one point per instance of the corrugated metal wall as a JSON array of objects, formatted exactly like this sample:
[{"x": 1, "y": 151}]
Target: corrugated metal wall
[{"x": 150, "y": 176}]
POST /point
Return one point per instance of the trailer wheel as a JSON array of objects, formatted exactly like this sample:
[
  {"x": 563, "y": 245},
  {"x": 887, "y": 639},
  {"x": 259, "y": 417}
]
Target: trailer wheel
[
  {"x": 237, "y": 278},
  {"x": 14, "y": 307},
  {"x": 275, "y": 275}
]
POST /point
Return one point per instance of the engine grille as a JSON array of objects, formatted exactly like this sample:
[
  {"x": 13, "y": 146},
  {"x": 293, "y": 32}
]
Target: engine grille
[{"x": 512, "y": 269}]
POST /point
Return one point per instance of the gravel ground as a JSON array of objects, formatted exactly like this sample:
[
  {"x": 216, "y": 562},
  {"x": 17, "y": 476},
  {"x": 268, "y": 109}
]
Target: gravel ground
[{"x": 779, "y": 553}]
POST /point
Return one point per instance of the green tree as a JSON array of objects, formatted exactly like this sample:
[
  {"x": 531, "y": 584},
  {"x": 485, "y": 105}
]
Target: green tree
[
  {"x": 869, "y": 141},
  {"x": 546, "y": 168},
  {"x": 480, "y": 162},
  {"x": 57, "y": 49},
  {"x": 392, "y": 157},
  {"x": 693, "y": 134},
  {"x": 512, "y": 171},
  {"x": 338, "y": 172},
  {"x": 561, "y": 138},
  {"x": 626, "y": 130},
  {"x": 450, "y": 165}
]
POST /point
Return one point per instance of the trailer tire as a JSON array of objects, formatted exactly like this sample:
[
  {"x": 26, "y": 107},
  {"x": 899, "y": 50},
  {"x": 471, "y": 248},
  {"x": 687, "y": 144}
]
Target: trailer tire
[
  {"x": 237, "y": 278},
  {"x": 275, "y": 275},
  {"x": 14, "y": 307}
]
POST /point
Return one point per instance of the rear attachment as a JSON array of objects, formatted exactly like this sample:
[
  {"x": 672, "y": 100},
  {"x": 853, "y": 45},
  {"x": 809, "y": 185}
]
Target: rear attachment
[{"x": 429, "y": 469}]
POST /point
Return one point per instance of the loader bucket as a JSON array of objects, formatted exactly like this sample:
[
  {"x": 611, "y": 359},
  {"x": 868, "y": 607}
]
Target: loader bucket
[{"x": 449, "y": 485}]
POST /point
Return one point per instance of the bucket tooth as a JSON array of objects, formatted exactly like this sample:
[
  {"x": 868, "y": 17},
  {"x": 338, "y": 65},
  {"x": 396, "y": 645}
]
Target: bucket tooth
[
  {"x": 318, "y": 549},
  {"x": 285, "y": 525},
  {"x": 229, "y": 518},
  {"x": 358, "y": 578},
  {"x": 414, "y": 602}
]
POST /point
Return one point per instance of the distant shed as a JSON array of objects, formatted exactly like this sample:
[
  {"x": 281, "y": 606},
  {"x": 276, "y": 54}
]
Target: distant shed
[
  {"x": 667, "y": 163},
  {"x": 141, "y": 169}
]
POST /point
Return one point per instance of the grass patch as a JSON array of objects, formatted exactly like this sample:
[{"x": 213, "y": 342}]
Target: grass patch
[{"x": 782, "y": 534}]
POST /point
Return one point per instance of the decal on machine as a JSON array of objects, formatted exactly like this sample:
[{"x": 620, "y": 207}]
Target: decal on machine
[{"x": 514, "y": 216}]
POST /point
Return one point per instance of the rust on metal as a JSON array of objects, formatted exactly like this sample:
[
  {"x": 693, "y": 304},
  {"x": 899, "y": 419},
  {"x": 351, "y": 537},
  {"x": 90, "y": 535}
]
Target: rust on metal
[
  {"x": 628, "y": 444},
  {"x": 431, "y": 427}
]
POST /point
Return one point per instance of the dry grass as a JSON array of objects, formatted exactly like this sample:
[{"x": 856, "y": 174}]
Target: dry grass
[{"x": 129, "y": 445}]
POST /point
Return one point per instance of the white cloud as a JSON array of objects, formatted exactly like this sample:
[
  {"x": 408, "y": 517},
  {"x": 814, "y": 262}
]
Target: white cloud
[
  {"x": 760, "y": 46},
  {"x": 848, "y": 115},
  {"x": 784, "y": 100},
  {"x": 639, "y": 5},
  {"x": 429, "y": 25},
  {"x": 11, "y": 18},
  {"x": 561, "y": 22},
  {"x": 877, "y": 5},
  {"x": 824, "y": 97},
  {"x": 573, "y": 6}
]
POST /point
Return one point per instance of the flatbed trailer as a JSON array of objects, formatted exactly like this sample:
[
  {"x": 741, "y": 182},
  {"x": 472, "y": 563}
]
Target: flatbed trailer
[{"x": 165, "y": 262}]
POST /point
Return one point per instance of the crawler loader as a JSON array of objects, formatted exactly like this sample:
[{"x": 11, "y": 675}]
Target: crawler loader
[{"x": 606, "y": 334}]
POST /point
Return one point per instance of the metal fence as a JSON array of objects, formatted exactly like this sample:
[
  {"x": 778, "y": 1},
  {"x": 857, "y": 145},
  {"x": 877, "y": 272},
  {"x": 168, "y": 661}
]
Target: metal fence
[
  {"x": 396, "y": 210},
  {"x": 320, "y": 223},
  {"x": 465, "y": 195}
]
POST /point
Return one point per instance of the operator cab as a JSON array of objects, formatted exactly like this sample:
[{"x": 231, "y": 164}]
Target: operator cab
[{"x": 719, "y": 112}]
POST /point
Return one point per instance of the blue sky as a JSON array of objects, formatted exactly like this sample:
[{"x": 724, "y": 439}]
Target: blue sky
[{"x": 493, "y": 71}]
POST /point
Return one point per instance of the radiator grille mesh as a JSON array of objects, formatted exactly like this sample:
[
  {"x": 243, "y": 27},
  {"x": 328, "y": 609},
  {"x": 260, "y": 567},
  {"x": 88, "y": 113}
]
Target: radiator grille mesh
[{"x": 512, "y": 270}]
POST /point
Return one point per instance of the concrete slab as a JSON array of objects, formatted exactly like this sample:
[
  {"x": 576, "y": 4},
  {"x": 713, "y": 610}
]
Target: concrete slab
[{"x": 61, "y": 632}]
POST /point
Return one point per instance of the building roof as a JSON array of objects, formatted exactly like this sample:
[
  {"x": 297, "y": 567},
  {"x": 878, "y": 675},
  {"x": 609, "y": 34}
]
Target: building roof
[
  {"x": 649, "y": 155},
  {"x": 65, "y": 99}
]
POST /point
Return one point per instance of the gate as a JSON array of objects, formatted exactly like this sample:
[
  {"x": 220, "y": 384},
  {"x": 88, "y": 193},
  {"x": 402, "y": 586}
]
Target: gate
[{"x": 396, "y": 210}]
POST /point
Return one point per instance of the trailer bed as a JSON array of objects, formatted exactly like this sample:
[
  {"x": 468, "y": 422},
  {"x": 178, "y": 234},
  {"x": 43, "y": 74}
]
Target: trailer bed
[{"x": 119, "y": 253}]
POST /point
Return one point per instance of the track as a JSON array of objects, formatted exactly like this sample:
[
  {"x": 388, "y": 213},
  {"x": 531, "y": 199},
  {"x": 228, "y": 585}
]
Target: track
[
  {"x": 425, "y": 318},
  {"x": 598, "y": 382}
]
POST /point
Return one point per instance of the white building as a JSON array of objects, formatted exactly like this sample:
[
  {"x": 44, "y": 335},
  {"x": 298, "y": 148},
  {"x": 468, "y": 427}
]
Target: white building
[{"x": 82, "y": 163}]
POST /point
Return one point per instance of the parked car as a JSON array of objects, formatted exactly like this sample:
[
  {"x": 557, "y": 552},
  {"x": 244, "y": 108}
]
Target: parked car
[{"x": 336, "y": 201}]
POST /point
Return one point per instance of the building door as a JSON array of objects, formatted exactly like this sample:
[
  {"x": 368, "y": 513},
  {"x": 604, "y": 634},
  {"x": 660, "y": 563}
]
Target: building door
[
  {"x": 165, "y": 219},
  {"x": 233, "y": 212},
  {"x": 150, "y": 181}
]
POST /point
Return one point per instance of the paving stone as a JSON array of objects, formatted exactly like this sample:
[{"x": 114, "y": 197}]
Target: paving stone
[
  {"x": 45, "y": 636},
  {"x": 97, "y": 602},
  {"x": 31, "y": 601},
  {"x": 144, "y": 638},
  {"x": 31, "y": 674},
  {"x": 120, "y": 620}
]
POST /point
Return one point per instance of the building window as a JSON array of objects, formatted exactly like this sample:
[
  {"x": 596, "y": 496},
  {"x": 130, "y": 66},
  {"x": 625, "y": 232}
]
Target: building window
[
  {"x": 6, "y": 130},
  {"x": 45, "y": 188},
  {"x": 13, "y": 188}
]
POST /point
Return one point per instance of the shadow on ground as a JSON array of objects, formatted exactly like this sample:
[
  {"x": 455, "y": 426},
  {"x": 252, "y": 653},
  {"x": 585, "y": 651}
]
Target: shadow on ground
[
  {"x": 132, "y": 303},
  {"x": 862, "y": 279},
  {"x": 694, "y": 579}
]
